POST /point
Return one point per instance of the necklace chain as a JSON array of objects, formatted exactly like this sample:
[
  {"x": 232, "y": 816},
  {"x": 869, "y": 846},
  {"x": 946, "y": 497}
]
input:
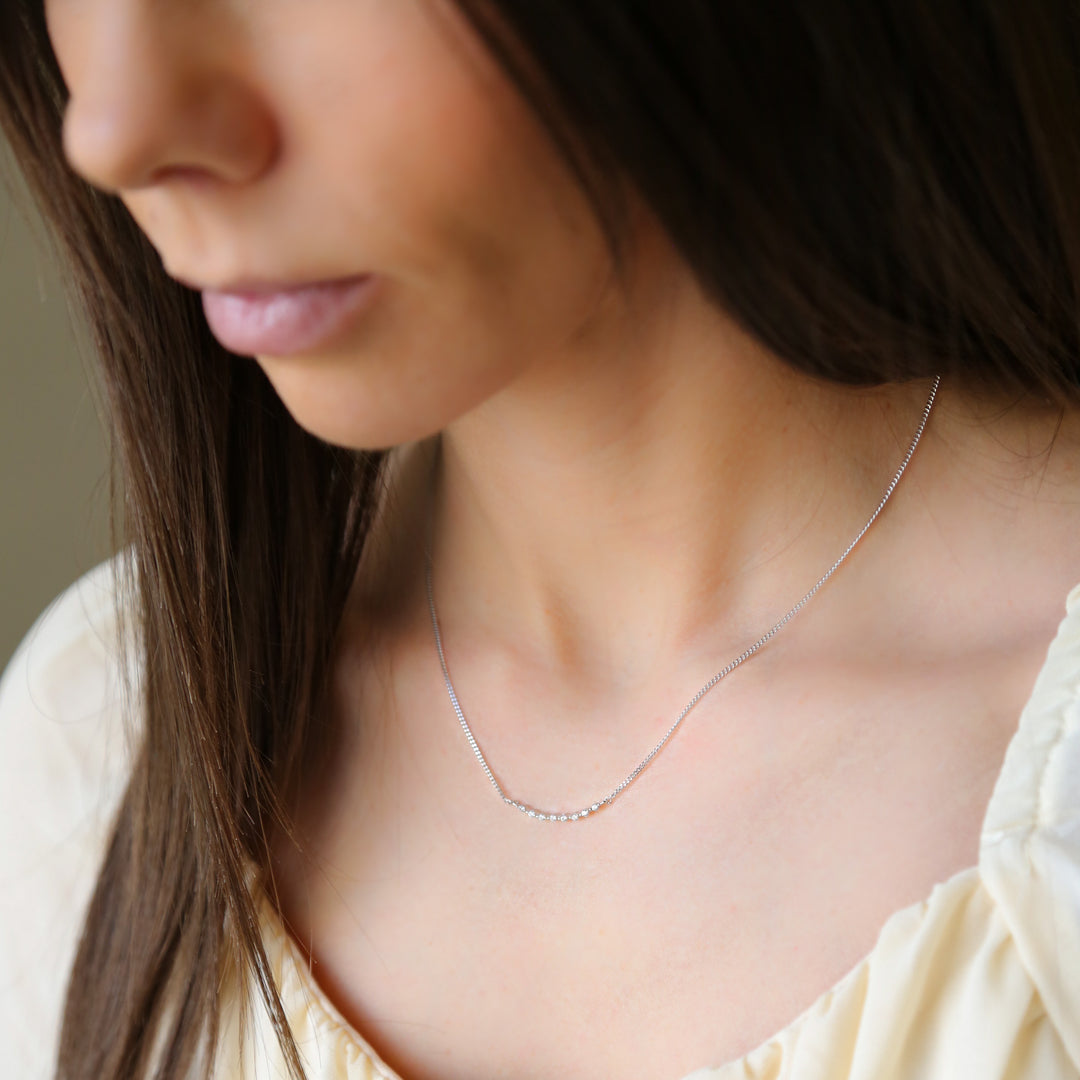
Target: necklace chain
[{"x": 607, "y": 800}]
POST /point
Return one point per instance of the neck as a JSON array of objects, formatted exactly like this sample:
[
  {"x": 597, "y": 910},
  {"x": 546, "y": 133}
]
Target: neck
[{"x": 658, "y": 490}]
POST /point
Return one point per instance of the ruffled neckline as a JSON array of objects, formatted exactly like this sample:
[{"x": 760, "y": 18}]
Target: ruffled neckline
[{"x": 1026, "y": 795}]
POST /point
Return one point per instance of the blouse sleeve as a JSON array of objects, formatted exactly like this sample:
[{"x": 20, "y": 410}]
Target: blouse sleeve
[
  {"x": 64, "y": 759},
  {"x": 1030, "y": 856}
]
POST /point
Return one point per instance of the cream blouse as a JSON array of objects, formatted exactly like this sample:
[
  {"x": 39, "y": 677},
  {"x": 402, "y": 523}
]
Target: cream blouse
[{"x": 979, "y": 981}]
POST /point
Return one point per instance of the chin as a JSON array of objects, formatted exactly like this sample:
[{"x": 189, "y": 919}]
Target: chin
[
  {"x": 355, "y": 431},
  {"x": 349, "y": 418}
]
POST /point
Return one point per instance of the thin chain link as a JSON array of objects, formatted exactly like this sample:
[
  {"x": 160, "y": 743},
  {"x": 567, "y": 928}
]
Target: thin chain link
[{"x": 607, "y": 800}]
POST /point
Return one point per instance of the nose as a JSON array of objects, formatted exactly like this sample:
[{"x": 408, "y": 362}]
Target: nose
[{"x": 153, "y": 95}]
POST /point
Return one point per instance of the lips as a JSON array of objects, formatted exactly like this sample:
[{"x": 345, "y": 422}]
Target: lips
[{"x": 271, "y": 320}]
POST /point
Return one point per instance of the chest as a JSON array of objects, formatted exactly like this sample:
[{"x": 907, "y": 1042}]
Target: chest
[{"x": 464, "y": 940}]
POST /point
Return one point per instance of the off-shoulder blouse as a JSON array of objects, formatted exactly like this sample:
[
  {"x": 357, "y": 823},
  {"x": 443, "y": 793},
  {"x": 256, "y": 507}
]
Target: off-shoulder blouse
[{"x": 978, "y": 981}]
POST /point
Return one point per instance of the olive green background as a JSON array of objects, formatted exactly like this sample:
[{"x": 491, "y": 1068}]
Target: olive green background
[{"x": 53, "y": 472}]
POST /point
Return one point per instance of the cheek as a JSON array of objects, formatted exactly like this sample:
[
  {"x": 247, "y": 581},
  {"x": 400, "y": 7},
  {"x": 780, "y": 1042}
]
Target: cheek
[
  {"x": 444, "y": 184},
  {"x": 428, "y": 159}
]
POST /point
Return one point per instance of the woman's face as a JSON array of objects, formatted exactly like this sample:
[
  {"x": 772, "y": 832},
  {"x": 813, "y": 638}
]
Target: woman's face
[{"x": 294, "y": 142}]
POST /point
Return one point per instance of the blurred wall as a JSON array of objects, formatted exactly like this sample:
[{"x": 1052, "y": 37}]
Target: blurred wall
[{"x": 53, "y": 478}]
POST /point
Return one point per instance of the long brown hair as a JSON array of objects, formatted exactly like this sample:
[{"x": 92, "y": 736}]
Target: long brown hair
[{"x": 878, "y": 192}]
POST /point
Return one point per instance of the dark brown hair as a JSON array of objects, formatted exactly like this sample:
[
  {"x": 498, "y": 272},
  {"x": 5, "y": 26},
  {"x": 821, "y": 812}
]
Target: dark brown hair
[{"x": 878, "y": 191}]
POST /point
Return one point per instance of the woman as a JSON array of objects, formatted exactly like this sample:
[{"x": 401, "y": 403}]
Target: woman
[{"x": 487, "y": 379}]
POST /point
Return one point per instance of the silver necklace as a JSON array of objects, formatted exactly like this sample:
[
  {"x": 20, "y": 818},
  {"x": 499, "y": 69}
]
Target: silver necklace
[{"x": 607, "y": 800}]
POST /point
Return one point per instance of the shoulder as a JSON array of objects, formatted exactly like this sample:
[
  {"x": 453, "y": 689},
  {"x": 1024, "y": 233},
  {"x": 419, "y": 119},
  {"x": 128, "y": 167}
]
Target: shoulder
[
  {"x": 64, "y": 759},
  {"x": 61, "y": 721}
]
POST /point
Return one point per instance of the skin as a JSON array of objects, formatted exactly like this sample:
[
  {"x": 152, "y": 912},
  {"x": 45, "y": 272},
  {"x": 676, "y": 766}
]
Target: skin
[{"x": 590, "y": 435}]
